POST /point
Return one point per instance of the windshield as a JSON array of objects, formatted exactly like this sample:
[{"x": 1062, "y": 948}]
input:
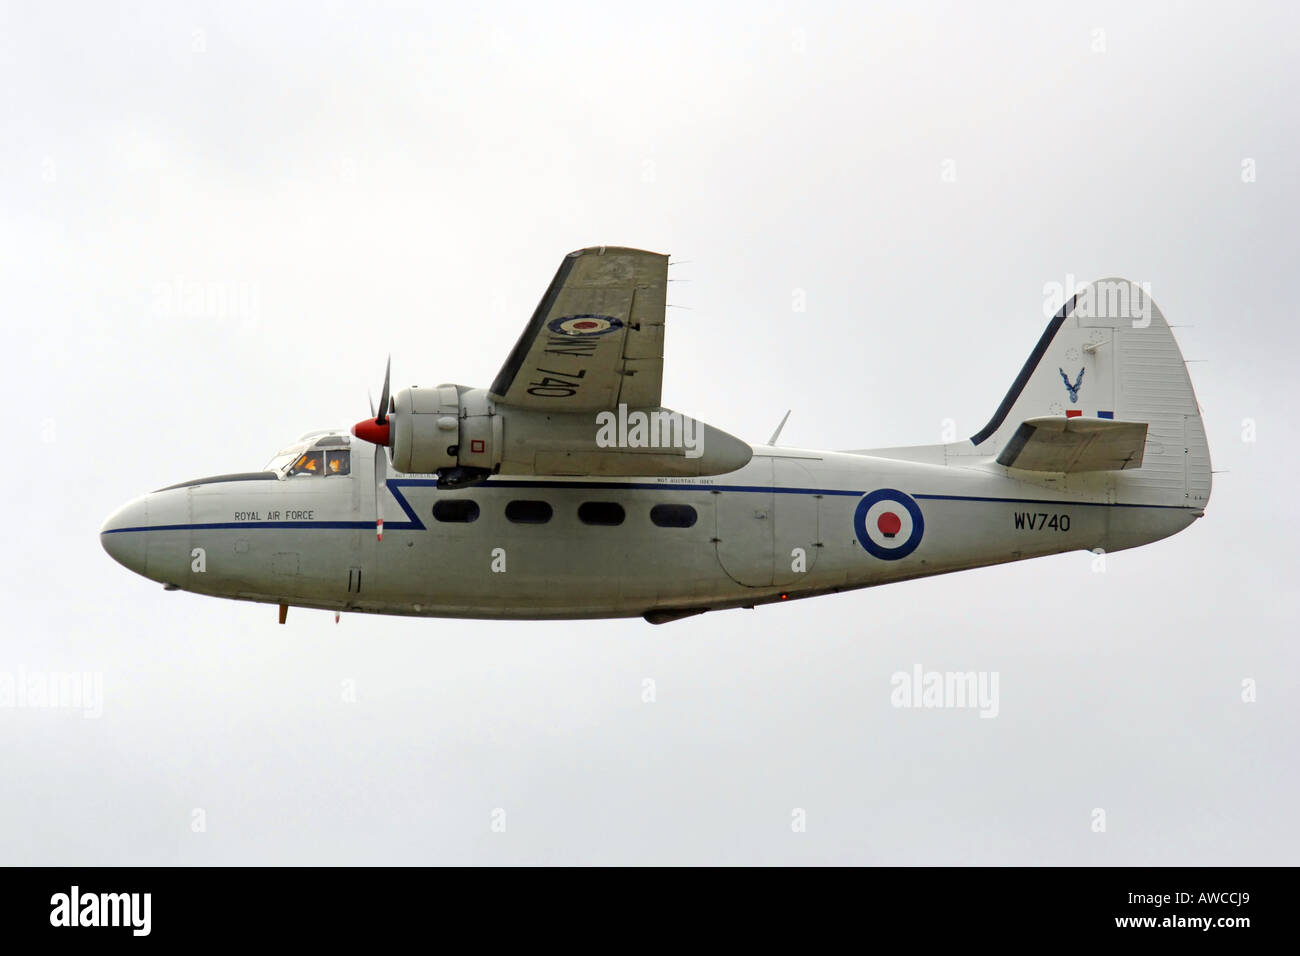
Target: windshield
[
  {"x": 286, "y": 457},
  {"x": 326, "y": 455}
]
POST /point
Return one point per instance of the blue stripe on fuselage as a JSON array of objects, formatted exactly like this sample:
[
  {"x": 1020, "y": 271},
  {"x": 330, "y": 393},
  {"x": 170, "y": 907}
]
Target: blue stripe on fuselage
[{"x": 415, "y": 524}]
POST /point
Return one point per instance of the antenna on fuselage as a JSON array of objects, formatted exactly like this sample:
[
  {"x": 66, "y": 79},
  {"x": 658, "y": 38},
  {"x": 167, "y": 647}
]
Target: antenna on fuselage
[{"x": 777, "y": 434}]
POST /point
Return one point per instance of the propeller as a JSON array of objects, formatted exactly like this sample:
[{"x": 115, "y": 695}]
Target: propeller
[{"x": 375, "y": 431}]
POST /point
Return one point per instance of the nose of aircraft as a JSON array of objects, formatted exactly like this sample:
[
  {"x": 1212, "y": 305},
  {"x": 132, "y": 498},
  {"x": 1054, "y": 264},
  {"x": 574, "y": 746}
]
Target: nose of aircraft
[{"x": 124, "y": 536}]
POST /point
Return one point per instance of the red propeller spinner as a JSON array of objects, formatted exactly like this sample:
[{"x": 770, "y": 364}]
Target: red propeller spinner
[
  {"x": 372, "y": 430},
  {"x": 375, "y": 430}
]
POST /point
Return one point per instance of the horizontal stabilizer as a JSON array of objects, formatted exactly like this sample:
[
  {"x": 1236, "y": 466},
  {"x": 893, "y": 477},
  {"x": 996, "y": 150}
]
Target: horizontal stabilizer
[{"x": 1075, "y": 444}]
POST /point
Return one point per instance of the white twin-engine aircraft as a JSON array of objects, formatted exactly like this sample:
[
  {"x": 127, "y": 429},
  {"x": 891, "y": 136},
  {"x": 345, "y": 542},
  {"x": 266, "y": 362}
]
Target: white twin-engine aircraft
[{"x": 566, "y": 490}]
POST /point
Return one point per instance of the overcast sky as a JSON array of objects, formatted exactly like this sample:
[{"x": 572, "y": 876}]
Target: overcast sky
[{"x": 340, "y": 182}]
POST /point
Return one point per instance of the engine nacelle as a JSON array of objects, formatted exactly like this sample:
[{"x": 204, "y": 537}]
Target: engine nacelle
[
  {"x": 449, "y": 430},
  {"x": 461, "y": 435}
]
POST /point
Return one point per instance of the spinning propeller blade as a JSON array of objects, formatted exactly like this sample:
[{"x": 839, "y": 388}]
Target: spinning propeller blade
[{"x": 375, "y": 431}]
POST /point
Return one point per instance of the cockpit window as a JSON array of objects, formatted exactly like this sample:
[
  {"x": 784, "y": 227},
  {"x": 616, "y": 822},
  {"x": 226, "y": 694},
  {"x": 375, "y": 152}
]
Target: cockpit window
[
  {"x": 322, "y": 462},
  {"x": 309, "y": 463},
  {"x": 328, "y": 455}
]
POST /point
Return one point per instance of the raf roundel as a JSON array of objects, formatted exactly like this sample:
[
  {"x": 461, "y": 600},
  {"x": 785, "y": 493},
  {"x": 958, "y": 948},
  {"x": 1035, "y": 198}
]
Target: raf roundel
[
  {"x": 889, "y": 524},
  {"x": 584, "y": 324}
]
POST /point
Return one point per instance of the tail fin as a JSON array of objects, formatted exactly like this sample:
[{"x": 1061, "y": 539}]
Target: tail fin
[{"x": 1109, "y": 354}]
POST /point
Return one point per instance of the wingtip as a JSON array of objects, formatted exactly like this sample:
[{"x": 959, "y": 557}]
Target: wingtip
[{"x": 613, "y": 251}]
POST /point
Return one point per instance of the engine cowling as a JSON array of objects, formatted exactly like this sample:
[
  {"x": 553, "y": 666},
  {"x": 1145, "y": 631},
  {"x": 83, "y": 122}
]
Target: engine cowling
[
  {"x": 447, "y": 430},
  {"x": 461, "y": 435}
]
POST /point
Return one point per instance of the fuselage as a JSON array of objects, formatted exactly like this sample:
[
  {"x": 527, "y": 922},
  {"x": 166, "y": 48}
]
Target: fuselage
[{"x": 790, "y": 524}]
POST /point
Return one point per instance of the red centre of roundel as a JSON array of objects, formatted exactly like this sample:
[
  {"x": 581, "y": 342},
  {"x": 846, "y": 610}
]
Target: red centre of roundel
[
  {"x": 889, "y": 524},
  {"x": 584, "y": 325}
]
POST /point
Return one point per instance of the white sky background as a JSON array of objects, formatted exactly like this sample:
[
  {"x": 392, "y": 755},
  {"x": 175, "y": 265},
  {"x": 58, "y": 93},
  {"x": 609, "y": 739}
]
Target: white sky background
[{"x": 363, "y": 181}]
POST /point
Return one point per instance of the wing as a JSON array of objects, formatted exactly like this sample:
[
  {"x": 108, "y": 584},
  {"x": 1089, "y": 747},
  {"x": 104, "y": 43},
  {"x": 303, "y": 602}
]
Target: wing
[
  {"x": 1065, "y": 378},
  {"x": 596, "y": 339}
]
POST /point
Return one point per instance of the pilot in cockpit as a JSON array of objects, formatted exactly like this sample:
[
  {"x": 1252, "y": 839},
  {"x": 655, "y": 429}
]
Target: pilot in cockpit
[
  {"x": 338, "y": 462},
  {"x": 329, "y": 455},
  {"x": 309, "y": 463}
]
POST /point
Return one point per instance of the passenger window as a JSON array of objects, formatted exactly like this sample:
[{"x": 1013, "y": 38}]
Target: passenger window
[
  {"x": 310, "y": 463},
  {"x": 338, "y": 462},
  {"x": 600, "y": 512},
  {"x": 457, "y": 509},
  {"x": 673, "y": 516},
  {"x": 528, "y": 512}
]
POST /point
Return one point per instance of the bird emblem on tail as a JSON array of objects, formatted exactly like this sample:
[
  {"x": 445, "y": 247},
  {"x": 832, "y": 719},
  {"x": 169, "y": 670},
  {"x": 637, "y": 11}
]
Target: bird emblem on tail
[{"x": 1072, "y": 389}]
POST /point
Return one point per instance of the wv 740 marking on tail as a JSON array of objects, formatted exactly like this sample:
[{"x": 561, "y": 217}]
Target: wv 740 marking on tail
[{"x": 1041, "y": 521}]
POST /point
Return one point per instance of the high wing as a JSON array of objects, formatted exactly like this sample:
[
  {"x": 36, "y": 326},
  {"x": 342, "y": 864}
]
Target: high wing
[
  {"x": 1069, "y": 445},
  {"x": 597, "y": 338}
]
